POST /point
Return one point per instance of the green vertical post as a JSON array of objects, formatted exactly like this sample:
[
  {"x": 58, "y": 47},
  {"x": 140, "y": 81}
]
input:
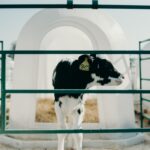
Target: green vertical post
[
  {"x": 69, "y": 4},
  {"x": 3, "y": 89},
  {"x": 140, "y": 74},
  {"x": 95, "y": 4},
  {"x": 2, "y": 45}
]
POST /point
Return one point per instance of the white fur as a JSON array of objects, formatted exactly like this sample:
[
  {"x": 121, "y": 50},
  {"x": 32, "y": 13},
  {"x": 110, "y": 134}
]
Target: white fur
[
  {"x": 113, "y": 82},
  {"x": 94, "y": 82},
  {"x": 68, "y": 116}
]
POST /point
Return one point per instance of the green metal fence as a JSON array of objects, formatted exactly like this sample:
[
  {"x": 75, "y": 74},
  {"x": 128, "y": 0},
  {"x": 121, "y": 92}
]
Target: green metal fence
[
  {"x": 1, "y": 48},
  {"x": 70, "y": 5},
  {"x": 95, "y": 4},
  {"x": 4, "y": 91},
  {"x": 142, "y": 99}
]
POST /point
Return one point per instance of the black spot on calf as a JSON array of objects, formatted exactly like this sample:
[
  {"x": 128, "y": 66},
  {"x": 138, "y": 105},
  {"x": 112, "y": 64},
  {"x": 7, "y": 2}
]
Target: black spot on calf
[
  {"x": 79, "y": 111},
  {"x": 60, "y": 103}
]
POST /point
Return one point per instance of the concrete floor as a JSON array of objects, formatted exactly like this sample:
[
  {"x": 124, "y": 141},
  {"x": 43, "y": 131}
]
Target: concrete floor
[
  {"x": 143, "y": 146},
  {"x": 136, "y": 147}
]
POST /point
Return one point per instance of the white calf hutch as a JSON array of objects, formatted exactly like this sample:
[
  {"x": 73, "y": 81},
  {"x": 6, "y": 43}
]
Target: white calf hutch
[{"x": 70, "y": 30}]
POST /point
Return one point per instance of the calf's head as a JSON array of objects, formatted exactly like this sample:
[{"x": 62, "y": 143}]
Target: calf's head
[{"x": 101, "y": 70}]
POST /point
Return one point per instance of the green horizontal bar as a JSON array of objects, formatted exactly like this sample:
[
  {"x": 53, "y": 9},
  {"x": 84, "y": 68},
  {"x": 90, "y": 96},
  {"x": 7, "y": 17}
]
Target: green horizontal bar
[
  {"x": 75, "y": 52},
  {"x": 102, "y": 6},
  {"x": 147, "y": 58},
  {"x": 85, "y": 131},
  {"x": 144, "y": 99},
  {"x": 146, "y": 116},
  {"x": 75, "y": 91},
  {"x": 146, "y": 79}
]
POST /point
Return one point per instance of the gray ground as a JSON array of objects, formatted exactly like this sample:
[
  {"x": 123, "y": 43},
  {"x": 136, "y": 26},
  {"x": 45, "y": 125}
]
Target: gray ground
[{"x": 143, "y": 146}]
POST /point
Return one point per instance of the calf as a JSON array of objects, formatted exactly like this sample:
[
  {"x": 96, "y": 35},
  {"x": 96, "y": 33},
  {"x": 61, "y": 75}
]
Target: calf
[{"x": 82, "y": 73}]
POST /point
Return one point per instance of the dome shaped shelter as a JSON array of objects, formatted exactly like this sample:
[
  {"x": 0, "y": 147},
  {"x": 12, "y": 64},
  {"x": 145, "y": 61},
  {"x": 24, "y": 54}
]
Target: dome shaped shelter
[{"x": 69, "y": 30}]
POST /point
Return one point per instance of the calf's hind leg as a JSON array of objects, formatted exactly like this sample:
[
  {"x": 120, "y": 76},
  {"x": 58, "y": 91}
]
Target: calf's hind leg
[
  {"x": 62, "y": 125},
  {"x": 78, "y": 115}
]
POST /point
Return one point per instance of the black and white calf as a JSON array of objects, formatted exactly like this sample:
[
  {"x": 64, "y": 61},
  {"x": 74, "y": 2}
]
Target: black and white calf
[{"x": 82, "y": 73}]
